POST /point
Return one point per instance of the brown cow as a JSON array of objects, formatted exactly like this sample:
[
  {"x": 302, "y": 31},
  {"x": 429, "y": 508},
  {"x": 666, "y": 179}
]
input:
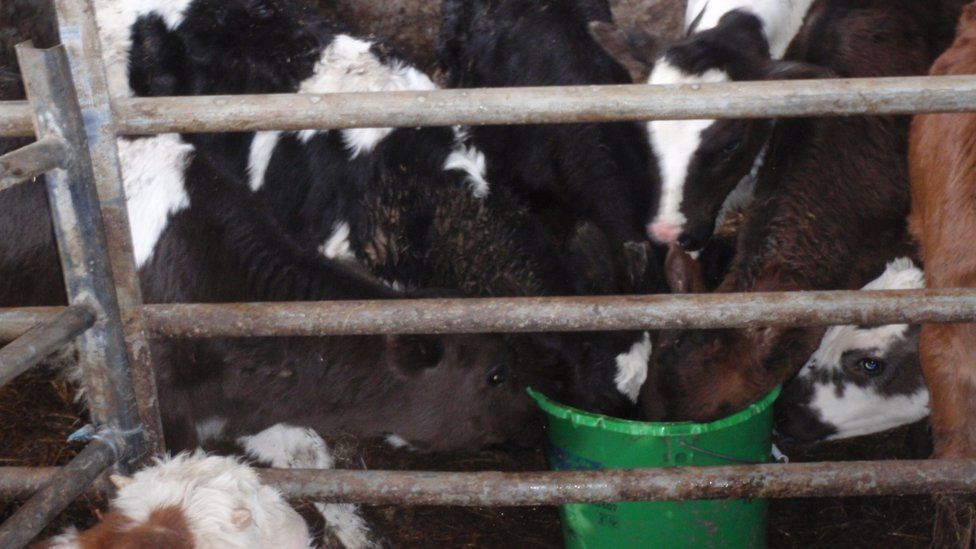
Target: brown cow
[
  {"x": 830, "y": 209},
  {"x": 942, "y": 158}
]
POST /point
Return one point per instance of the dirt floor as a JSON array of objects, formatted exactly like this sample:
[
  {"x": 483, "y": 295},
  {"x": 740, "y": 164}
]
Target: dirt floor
[{"x": 37, "y": 413}]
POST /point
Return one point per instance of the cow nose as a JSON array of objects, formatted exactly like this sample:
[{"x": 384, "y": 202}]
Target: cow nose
[{"x": 664, "y": 233}]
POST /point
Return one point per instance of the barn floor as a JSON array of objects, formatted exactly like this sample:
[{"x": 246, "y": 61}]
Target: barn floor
[{"x": 38, "y": 412}]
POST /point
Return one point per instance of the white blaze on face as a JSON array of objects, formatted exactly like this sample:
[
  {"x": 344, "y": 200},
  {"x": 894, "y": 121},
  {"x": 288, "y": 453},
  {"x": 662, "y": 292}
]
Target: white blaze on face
[
  {"x": 348, "y": 65},
  {"x": 153, "y": 174},
  {"x": 632, "y": 367},
  {"x": 781, "y": 19},
  {"x": 674, "y": 142}
]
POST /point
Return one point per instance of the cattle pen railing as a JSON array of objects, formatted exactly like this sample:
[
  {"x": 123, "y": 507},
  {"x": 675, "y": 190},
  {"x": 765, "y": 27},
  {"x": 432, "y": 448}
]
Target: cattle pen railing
[{"x": 75, "y": 124}]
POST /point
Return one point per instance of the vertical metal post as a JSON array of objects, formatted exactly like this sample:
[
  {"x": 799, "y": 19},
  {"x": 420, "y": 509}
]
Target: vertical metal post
[
  {"x": 79, "y": 36},
  {"x": 81, "y": 244}
]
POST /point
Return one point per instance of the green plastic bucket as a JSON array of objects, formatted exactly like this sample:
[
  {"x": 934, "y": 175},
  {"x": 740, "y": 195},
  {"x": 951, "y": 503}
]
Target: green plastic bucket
[{"x": 579, "y": 440}]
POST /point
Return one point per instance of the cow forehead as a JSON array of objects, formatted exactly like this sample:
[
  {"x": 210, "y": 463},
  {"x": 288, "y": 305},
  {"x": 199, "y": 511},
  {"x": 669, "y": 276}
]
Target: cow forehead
[{"x": 840, "y": 339}]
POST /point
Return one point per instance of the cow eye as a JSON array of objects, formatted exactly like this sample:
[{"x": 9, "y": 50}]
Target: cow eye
[
  {"x": 731, "y": 147},
  {"x": 871, "y": 366},
  {"x": 498, "y": 376}
]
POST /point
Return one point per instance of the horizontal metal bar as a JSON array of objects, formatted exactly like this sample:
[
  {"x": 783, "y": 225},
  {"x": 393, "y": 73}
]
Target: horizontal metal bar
[
  {"x": 31, "y": 161},
  {"x": 66, "y": 484},
  {"x": 15, "y": 119},
  {"x": 42, "y": 340},
  {"x": 827, "y": 479},
  {"x": 23, "y": 482},
  {"x": 659, "y": 484},
  {"x": 543, "y": 314},
  {"x": 534, "y": 105},
  {"x": 16, "y": 322}
]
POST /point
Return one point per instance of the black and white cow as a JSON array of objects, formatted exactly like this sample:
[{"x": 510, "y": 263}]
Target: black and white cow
[
  {"x": 413, "y": 205},
  {"x": 568, "y": 172},
  {"x": 220, "y": 245},
  {"x": 701, "y": 162},
  {"x": 861, "y": 379}
]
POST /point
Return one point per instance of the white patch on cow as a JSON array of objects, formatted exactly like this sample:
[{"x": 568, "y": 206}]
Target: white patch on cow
[
  {"x": 262, "y": 148},
  {"x": 781, "y": 19},
  {"x": 337, "y": 246},
  {"x": 900, "y": 274},
  {"x": 347, "y": 65},
  {"x": 674, "y": 142},
  {"x": 856, "y": 410},
  {"x": 632, "y": 367},
  {"x": 472, "y": 162},
  {"x": 210, "y": 492},
  {"x": 211, "y": 428},
  {"x": 398, "y": 442},
  {"x": 862, "y": 410},
  {"x": 289, "y": 447},
  {"x": 114, "y": 19},
  {"x": 153, "y": 171}
]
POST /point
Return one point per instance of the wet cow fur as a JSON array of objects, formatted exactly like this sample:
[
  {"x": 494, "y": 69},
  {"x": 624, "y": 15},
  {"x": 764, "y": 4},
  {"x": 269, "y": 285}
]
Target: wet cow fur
[
  {"x": 861, "y": 379},
  {"x": 830, "y": 208},
  {"x": 700, "y": 162},
  {"x": 412, "y": 204}
]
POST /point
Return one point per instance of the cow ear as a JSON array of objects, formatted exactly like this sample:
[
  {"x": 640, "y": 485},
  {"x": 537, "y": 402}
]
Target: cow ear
[
  {"x": 412, "y": 354},
  {"x": 635, "y": 50},
  {"x": 684, "y": 273},
  {"x": 795, "y": 70}
]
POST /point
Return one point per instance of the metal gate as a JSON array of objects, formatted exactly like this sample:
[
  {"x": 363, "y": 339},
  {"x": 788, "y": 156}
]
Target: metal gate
[{"x": 75, "y": 124}]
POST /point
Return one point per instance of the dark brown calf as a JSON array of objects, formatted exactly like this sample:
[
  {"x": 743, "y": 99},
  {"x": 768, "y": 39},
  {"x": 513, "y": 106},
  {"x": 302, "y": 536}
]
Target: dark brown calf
[
  {"x": 942, "y": 158},
  {"x": 830, "y": 209}
]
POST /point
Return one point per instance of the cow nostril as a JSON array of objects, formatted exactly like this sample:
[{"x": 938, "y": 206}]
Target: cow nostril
[{"x": 664, "y": 233}]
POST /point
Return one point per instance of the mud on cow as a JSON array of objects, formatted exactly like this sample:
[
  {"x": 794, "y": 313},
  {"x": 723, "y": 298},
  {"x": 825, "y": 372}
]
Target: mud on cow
[
  {"x": 861, "y": 379},
  {"x": 830, "y": 209}
]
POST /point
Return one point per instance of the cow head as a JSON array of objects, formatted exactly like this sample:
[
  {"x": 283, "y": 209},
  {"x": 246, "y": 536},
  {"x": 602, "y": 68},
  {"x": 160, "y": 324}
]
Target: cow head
[
  {"x": 861, "y": 379},
  {"x": 702, "y": 161}
]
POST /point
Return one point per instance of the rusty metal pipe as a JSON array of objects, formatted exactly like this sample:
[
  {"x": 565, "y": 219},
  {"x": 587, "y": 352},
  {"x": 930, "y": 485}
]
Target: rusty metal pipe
[
  {"x": 18, "y": 483},
  {"x": 539, "y": 314},
  {"x": 80, "y": 230},
  {"x": 856, "y": 478},
  {"x": 63, "y": 486},
  {"x": 534, "y": 105},
  {"x": 563, "y": 313},
  {"x": 863, "y": 478},
  {"x": 80, "y": 40},
  {"x": 31, "y": 161},
  {"x": 42, "y": 340}
]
